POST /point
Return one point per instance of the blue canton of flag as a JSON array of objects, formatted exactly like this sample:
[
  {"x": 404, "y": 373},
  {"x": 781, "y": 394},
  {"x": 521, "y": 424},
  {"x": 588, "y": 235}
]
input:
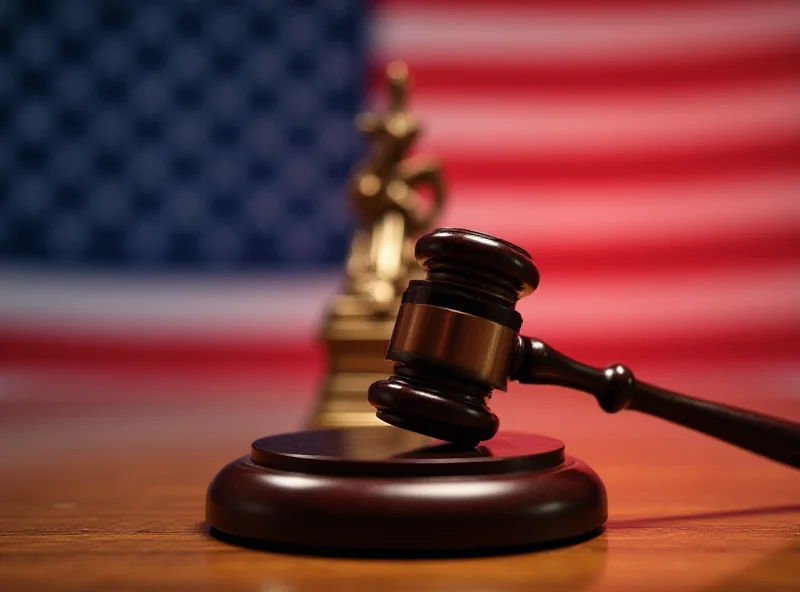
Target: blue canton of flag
[{"x": 178, "y": 134}]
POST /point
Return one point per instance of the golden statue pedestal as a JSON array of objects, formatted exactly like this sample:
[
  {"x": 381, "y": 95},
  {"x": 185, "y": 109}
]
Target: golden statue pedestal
[{"x": 356, "y": 348}]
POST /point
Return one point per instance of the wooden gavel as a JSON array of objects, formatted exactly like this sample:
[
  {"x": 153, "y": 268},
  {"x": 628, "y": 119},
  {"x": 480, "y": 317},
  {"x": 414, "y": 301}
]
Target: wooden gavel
[{"x": 456, "y": 338}]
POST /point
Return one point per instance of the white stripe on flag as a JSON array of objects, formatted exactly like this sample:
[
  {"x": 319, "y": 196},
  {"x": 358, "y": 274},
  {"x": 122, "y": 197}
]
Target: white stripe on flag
[
  {"x": 492, "y": 124},
  {"x": 281, "y": 308},
  {"x": 628, "y": 215},
  {"x": 481, "y": 36}
]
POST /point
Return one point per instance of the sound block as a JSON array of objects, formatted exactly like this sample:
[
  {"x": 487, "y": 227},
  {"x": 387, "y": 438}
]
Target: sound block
[{"x": 380, "y": 489}]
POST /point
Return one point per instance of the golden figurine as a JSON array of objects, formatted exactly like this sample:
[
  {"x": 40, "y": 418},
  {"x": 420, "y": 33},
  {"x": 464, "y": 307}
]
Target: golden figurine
[{"x": 393, "y": 213}]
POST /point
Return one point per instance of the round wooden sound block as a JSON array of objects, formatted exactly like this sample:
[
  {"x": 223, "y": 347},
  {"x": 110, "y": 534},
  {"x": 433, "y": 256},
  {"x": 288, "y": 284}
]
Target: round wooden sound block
[{"x": 382, "y": 489}]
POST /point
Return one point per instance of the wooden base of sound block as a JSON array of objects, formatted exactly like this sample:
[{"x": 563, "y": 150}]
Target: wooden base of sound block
[{"x": 386, "y": 490}]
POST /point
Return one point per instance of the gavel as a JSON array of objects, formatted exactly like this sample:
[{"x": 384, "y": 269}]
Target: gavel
[{"x": 456, "y": 339}]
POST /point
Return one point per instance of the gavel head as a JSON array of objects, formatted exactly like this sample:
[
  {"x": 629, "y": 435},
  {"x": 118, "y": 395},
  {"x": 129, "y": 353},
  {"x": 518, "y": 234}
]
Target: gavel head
[{"x": 456, "y": 337}]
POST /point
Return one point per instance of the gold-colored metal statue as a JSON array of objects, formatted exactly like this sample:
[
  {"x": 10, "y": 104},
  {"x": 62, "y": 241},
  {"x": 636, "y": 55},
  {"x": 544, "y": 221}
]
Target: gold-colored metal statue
[{"x": 393, "y": 213}]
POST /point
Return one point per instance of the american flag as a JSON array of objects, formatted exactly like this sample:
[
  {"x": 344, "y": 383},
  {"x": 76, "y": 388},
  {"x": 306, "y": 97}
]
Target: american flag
[{"x": 172, "y": 174}]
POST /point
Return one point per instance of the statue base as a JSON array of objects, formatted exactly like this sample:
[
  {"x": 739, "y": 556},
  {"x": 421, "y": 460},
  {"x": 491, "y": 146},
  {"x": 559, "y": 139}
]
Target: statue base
[{"x": 356, "y": 344}]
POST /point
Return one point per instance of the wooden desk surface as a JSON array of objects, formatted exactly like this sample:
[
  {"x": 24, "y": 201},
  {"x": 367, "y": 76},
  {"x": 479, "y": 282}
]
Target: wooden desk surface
[{"x": 111, "y": 496}]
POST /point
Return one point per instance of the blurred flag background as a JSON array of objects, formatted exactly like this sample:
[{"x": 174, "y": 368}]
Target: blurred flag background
[{"x": 172, "y": 175}]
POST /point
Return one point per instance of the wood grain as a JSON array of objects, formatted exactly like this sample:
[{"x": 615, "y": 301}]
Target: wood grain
[{"x": 111, "y": 498}]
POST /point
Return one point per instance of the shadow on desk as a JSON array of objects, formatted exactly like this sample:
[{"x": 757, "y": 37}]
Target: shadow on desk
[{"x": 664, "y": 520}]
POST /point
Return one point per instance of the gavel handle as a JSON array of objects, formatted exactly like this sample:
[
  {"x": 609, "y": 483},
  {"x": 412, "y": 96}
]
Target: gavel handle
[{"x": 615, "y": 388}]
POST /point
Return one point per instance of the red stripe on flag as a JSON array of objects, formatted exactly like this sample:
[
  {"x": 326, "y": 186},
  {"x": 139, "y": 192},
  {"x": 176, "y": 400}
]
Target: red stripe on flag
[
  {"x": 572, "y": 5},
  {"x": 767, "y": 249},
  {"x": 642, "y": 76},
  {"x": 34, "y": 349},
  {"x": 771, "y": 154}
]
